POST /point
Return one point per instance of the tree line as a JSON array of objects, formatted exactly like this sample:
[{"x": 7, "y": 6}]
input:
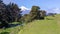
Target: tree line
[{"x": 12, "y": 13}]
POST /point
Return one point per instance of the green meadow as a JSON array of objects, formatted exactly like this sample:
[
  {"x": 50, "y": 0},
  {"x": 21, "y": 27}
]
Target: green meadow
[{"x": 51, "y": 25}]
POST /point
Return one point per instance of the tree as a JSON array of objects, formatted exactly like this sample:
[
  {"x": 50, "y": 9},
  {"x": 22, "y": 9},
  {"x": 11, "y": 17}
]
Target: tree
[
  {"x": 25, "y": 18},
  {"x": 15, "y": 12},
  {"x": 1, "y": 1},
  {"x": 9, "y": 13},
  {"x": 34, "y": 11},
  {"x": 42, "y": 14},
  {"x": 3, "y": 15}
]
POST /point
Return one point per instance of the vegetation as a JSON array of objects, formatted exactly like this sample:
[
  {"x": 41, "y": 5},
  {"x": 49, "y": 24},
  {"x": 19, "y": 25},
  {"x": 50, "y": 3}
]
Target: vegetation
[
  {"x": 11, "y": 30},
  {"x": 51, "y": 26},
  {"x": 35, "y": 13},
  {"x": 36, "y": 22},
  {"x": 8, "y": 13},
  {"x": 11, "y": 13}
]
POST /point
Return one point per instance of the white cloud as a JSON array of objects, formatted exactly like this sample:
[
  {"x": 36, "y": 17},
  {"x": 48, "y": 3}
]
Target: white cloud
[
  {"x": 23, "y": 8},
  {"x": 54, "y": 10}
]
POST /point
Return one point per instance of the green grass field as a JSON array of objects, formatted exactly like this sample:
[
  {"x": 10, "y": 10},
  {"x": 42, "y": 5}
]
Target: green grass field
[
  {"x": 47, "y": 26},
  {"x": 51, "y": 25}
]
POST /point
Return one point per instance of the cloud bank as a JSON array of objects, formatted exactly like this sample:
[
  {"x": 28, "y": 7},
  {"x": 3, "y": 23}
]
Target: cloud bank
[{"x": 54, "y": 10}]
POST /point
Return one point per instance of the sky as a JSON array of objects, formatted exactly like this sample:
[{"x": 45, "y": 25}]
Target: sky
[{"x": 43, "y": 4}]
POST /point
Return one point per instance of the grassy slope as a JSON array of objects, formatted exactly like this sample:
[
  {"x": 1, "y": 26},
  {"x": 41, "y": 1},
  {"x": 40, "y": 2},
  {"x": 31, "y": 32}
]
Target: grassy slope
[{"x": 51, "y": 26}]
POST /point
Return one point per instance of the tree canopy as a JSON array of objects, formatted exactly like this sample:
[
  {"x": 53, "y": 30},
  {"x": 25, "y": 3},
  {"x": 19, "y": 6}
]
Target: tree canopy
[{"x": 9, "y": 13}]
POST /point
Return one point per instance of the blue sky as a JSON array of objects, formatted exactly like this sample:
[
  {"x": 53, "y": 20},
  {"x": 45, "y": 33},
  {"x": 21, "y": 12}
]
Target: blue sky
[{"x": 43, "y": 4}]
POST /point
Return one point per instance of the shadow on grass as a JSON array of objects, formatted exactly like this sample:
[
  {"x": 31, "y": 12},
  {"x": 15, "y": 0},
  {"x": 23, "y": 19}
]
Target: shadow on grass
[
  {"x": 4, "y": 33},
  {"x": 49, "y": 19},
  {"x": 9, "y": 26},
  {"x": 13, "y": 25}
]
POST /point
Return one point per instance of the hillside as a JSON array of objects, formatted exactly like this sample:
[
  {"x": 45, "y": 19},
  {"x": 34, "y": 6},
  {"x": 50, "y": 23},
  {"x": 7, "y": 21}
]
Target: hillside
[{"x": 51, "y": 25}]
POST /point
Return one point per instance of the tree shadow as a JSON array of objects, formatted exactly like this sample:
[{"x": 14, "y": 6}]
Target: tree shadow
[
  {"x": 4, "y": 33},
  {"x": 49, "y": 19},
  {"x": 9, "y": 26},
  {"x": 13, "y": 25}
]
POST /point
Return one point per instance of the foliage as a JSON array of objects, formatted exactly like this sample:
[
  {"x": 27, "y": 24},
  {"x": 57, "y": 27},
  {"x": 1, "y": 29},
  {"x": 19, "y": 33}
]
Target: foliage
[
  {"x": 35, "y": 13},
  {"x": 9, "y": 13}
]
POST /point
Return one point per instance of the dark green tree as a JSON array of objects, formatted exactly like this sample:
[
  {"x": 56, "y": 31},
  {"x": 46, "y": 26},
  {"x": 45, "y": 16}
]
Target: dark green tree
[
  {"x": 14, "y": 11},
  {"x": 9, "y": 13},
  {"x": 3, "y": 14},
  {"x": 41, "y": 14},
  {"x": 34, "y": 11}
]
